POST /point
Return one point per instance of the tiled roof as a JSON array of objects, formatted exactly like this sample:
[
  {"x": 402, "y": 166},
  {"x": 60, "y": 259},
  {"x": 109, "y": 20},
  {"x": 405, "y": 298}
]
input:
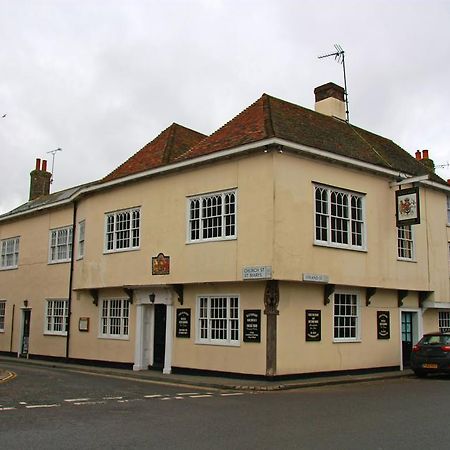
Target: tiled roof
[
  {"x": 271, "y": 117},
  {"x": 165, "y": 148}
]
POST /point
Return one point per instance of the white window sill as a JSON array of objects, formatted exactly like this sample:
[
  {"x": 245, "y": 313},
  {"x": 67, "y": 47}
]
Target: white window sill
[
  {"x": 200, "y": 241},
  {"x": 60, "y": 261},
  {"x": 121, "y": 250},
  {"x": 407, "y": 260},
  {"x": 114, "y": 337},
  {"x": 340, "y": 247},
  {"x": 55, "y": 333},
  {"x": 347, "y": 341},
  {"x": 9, "y": 268}
]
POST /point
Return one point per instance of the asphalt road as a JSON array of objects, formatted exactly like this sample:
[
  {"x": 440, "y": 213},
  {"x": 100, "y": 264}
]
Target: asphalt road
[{"x": 48, "y": 408}]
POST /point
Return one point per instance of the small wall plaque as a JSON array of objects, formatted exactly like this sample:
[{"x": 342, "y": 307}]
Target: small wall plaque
[
  {"x": 257, "y": 273},
  {"x": 313, "y": 325},
  {"x": 183, "y": 329},
  {"x": 383, "y": 325},
  {"x": 252, "y": 325},
  {"x": 83, "y": 324},
  {"x": 161, "y": 264},
  {"x": 315, "y": 277}
]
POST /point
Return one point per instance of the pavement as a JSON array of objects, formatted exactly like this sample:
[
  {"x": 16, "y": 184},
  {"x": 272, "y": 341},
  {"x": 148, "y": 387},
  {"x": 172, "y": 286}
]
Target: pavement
[{"x": 202, "y": 381}]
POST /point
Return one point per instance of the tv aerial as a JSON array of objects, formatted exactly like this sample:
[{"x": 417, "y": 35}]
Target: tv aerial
[
  {"x": 339, "y": 56},
  {"x": 53, "y": 153}
]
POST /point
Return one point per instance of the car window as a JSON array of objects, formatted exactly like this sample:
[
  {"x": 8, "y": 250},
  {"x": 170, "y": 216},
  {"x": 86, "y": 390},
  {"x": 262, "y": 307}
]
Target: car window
[{"x": 436, "y": 340}]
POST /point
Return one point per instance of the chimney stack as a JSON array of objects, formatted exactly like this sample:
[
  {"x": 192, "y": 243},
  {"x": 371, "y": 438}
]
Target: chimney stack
[
  {"x": 425, "y": 160},
  {"x": 418, "y": 155},
  {"x": 330, "y": 100},
  {"x": 39, "y": 180}
]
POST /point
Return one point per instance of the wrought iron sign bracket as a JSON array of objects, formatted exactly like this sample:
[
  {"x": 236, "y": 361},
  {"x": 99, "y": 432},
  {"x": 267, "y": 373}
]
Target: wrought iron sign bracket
[
  {"x": 423, "y": 296},
  {"x": 178, "y": 288},
  {"x": 129, "y": 293}
]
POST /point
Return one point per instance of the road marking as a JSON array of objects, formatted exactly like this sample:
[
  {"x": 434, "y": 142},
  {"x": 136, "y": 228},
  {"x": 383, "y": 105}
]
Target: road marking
[
  {"x": 188, "y": 393},
  {"x": 167, "y": 398},
  {"x": 42, "y": 406},
  {"x": 89, "y": 403},
  {"x": 112, "y": 398},
  {"x": 22, "y": 403},
  {"x": 201, "y": 396},
  {"x": 7, "y": 408},
  {"x": 72, "y": 400},
  {"x": 231, "y": 394},
  {"x": 179, "y": 398},
  {"x": 153, "y": 396}
]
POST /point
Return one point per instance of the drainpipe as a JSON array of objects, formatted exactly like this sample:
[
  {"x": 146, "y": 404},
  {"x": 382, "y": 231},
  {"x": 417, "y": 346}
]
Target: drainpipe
[{"x": 72, "y": 262}]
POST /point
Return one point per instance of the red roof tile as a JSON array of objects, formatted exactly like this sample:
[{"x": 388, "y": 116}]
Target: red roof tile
[{"x": 166, "y": 147}]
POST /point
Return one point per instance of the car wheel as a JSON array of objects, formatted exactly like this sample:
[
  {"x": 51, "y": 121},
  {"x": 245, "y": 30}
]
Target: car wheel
[{"x": 420, "y": 373}]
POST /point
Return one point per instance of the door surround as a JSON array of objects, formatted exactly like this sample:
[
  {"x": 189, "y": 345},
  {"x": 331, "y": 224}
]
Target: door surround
[
  {"x": 145, "y": 299},
  {"x": 417, "y": 328}
]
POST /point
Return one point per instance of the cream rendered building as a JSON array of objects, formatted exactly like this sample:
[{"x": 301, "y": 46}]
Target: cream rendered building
[{"x": 269, "y": 248}]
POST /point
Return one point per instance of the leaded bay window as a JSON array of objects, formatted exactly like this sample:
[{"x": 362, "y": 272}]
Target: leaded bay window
[
  {"x": 60, "y": 245},
  {"x": 114, "y": 319},
  {"x": 212, "y": 216},
  {"x": 56, "y": 314},
  {"x": 346, "y": 317},
  {"x": 218, "y": 319},
  {"x": 9, "y": 253},
  {"x": 405, "y": 242},
  {"x": 2, "y": 314},
  {"x": 123, "y": 230},
  {"x": 339, "y": 218}
]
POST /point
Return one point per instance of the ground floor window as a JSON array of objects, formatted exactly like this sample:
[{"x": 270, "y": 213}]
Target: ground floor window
[
  {"x": 346, "y": 317},
  {"x": 56, "y": 317},
  {"x": 444, "y": 321},
  {"x": 218, "y": 319},
  {"x": 2, "y": 314},
  {"x": 114, "y": 318}
]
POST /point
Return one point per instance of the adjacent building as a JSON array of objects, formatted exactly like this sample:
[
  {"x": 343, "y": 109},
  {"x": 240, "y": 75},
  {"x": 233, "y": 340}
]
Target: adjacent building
[{"x": 287, "y": 242}]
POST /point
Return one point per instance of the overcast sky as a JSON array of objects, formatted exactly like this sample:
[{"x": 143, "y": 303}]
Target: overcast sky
[{"x": 101, "y": 78}]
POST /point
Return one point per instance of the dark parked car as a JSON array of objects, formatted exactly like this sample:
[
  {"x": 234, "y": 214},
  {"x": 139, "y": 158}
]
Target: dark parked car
[{"x": 431, "y": 354}]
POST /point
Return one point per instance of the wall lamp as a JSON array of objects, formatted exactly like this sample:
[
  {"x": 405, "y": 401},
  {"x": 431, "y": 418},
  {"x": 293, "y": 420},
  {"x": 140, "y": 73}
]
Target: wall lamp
[{"x": 152, "y": 298}]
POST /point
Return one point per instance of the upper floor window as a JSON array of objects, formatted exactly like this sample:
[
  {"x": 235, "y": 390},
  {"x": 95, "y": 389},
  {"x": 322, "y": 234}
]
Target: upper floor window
[
  {"x": 444, "y": 321},
  {"x": 81, "y": 232},
  {"x": 448, "y": 210},
  {"x": 405, "y": 242},
  {"x": 123, "y": 230},
  {"x": 212, "y": 216},
  {"x": 56, "y": 317},
  {"x": 339, "y": 218},
  {"x": 10, "y": 253},
  {"x": 218, "y": 320},
  {"x": 2, "y": 314},
  {"x": 60, "y": 245},
  {"x": 114, "y": 318},
  {"x": 346, "y": 315}
]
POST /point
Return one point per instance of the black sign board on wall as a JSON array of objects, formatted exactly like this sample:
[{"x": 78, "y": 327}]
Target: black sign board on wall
[
  {"x": 252, "y": 325},
  {"x": 313, "y": 325},
  {"x": 383, "y": 325},
  {"x": 183, "y": 323}
]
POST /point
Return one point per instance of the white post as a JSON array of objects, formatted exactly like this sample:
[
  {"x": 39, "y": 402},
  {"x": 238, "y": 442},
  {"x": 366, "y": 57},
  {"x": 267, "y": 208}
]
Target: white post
[
  {"x": 169, "y": 340},
  {"x": 139, "y": 343}
]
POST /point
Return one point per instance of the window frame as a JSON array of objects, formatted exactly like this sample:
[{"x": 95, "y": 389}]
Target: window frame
[
  {"x": 68, "y": 245},
  {"x": 50, "y": 316},
  {"x": 444, "y": 321},
  {"x": 15, "y": 242},
  {"x": 356, "y": 316},
  {"x": 448, "y": 210},
  {"x": 354, "y": 222},
  {"x": 410, "y": 243},
  {"x": 114, "y": 232},
  {"x": 233, "y": 323},
  {"x": 227, "y": 219},
  {"x": 2, "y": 315},
  {"x": 81, "y": 238},
  {"x": 124, "y": 321}
]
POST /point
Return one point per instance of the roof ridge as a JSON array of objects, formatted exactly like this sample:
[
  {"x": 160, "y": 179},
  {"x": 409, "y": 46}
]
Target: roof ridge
[
  {"x": 169, "y": 142},
  {"x": 268, "y": 122}
]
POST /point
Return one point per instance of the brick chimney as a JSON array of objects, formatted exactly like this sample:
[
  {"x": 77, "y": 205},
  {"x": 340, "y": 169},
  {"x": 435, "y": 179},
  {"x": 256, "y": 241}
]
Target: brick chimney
[
  {"x": 330, "y": 100},
  {"x": 39, "y": 180},
  {"x": 427, "y": 161}
]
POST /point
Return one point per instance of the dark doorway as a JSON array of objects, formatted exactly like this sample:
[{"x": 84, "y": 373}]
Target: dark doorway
[
  {"x": 159, "y": 338},
  {"x": 407, "y": 337},
  {"x": 25, "y": 333}
]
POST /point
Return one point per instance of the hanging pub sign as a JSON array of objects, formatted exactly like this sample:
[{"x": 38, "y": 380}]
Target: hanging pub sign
[
  {"x": 407, "y": 206},
  {"x": 183, "y": 329},
  {"x": 160, "y": 264},
  {"x": 383, "y": 325},
  {"x": 252, "y": 325},
  {"x": 313, "y": 325}
]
